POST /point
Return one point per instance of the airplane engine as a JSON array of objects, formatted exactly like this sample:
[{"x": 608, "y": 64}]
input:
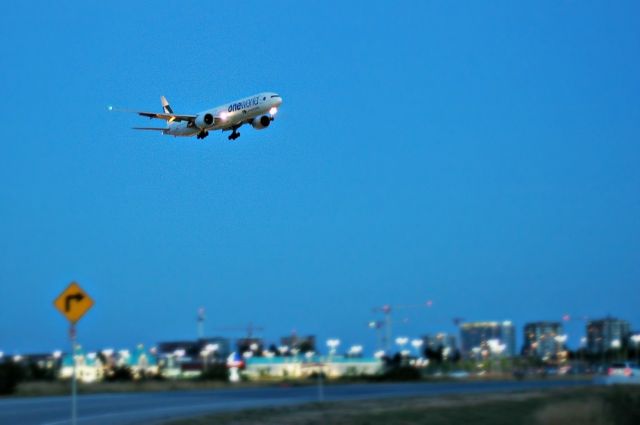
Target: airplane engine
[
  {"x": 204, "y": 121},
  {"x": 260, "y": 123}
]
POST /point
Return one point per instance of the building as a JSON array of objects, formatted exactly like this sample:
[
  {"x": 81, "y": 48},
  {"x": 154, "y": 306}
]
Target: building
[
  {"x": 302, "y": 344},
  {"x": 440, "y": 341},
  {"x": 89, "y": 367},
  {"x": 252, "y": 345},
  {"x": 189, "y": 358},
  {"x": 543, "y": 340},
  {"x": 607, "y": 334},
  {"x": 484, "y": 338},
  {"x": 306, "y": 366}
]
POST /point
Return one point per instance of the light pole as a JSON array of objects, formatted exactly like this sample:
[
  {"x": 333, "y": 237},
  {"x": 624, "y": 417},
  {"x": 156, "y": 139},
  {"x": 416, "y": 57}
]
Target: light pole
[
  {"x": 615, "y": 345},
  {"x": 560, "y": 340},
  {"x": 333, "y": 344},
  {"x": 583, "y": 348},
  {"x": 355, "y": 350},
  {"x": 496, "y": 349},
  {"x": 636, "y": 342},
  {"x": 402, "y": 341},
  {"x": 416, "y": 344}
]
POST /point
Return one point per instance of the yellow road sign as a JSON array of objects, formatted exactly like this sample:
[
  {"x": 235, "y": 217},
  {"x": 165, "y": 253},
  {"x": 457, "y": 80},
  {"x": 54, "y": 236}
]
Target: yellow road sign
[{"x": 73, "y": 303}]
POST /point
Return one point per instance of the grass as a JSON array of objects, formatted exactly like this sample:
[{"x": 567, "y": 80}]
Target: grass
[
  {"x": 53, "y": 388},
  {"x": 600, "y": 406}
]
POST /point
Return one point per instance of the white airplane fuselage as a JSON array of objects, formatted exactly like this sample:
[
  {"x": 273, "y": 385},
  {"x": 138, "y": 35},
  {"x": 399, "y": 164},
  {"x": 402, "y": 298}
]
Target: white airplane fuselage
[{"x": 257, "y": 110}]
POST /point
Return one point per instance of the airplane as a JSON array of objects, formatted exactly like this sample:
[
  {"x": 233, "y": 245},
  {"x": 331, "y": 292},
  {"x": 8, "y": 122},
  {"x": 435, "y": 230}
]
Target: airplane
[{"x": 258, "y": 110}]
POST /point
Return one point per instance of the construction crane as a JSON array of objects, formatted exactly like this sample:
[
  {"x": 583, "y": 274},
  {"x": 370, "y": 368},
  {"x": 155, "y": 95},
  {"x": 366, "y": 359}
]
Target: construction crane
[
  {"x": 386, "y": 310},
  {"x": 250, "y": 329}
]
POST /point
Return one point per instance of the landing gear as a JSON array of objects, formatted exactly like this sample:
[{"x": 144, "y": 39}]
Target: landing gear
[
  {"x": 202, "y": 134},
  {"x": 235, "y": 134}
]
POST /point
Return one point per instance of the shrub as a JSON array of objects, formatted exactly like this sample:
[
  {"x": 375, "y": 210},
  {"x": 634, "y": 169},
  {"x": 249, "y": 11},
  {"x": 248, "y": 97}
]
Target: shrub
[
  {"x": 401, "y": 373},
  {"x": 216, "y": 372},
  {"x": 10, "y": 376}
]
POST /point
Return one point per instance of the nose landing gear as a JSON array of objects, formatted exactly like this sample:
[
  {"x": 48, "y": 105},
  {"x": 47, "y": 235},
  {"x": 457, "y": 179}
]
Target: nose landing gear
[{"x": 202, "y": 134}]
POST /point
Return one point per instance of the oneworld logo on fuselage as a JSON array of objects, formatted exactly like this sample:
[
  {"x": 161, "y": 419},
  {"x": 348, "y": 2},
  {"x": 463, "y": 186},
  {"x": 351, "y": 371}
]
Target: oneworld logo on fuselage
[
  {"x": 245, "y": 104},
  {"x": 258, "y": 110}
]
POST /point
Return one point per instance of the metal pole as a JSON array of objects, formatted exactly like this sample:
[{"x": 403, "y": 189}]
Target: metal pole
[
  {"x": 74, "y": 386},
  {"x": 320, "y": 387}
]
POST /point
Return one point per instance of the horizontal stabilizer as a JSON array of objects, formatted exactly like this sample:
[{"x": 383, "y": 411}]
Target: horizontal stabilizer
[{"x": 150, "y": 128}]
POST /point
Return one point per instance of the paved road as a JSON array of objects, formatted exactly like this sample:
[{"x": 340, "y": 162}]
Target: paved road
[{"x": 155, "y": 408}]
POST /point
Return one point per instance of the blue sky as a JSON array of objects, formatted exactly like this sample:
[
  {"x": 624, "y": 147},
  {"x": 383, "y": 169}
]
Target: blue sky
[{"x": 480, "y": 154}]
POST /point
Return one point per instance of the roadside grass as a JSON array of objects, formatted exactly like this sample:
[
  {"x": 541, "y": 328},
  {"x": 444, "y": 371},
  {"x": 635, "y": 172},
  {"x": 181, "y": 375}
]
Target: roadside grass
[
  {"x": 34, "y": 389},
  {"x": 584, "y": 406},
  {"x": 57, "y": 388}
]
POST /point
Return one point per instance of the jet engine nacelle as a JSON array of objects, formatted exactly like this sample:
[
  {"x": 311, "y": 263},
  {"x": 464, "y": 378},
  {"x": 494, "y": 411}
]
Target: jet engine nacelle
[
  {"x": 260, "y": 123},
  {"x": 204, "y": 121}
]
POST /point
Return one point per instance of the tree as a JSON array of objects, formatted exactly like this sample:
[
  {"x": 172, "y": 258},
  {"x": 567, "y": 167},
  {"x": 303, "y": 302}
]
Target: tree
[{"x": 10, "y": 376}]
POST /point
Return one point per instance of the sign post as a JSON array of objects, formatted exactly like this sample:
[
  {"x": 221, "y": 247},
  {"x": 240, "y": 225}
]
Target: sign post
[{"x": 73, "y": 303}]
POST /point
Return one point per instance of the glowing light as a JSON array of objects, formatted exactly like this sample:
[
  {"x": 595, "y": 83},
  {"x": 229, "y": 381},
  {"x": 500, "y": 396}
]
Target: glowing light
[
  {"x": 355, "y": 350},
  {"x": 211, "y": 348},
  {"x": 56, "y": 354},
  {"x": 561, "y": 339},
  {"x": 402, "y": 340},
  {"x": 110, "y": 108},
  {"x": 224, "y": 115},
  {"x": 333, "y": 344},
  {"x": 273, "y": 111}
]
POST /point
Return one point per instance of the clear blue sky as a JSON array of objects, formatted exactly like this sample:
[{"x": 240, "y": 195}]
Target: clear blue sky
[{"x": 480, "y": 154}]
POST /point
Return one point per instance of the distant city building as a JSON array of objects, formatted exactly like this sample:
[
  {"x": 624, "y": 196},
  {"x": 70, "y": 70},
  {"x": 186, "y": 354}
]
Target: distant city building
[
  {"x": 483, "y": 338},
  {"x": 544, "y": 340},
  {"x": 607, "y": 334},
  {"x": 440, "y": 341},
  {"x": 303, "y": 344}
]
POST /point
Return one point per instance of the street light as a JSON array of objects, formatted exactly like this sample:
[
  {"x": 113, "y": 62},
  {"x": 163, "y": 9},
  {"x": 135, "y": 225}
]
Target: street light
[
  {"x": 283, "y": 349},
  {"x": 636, "y": 342},
  {"x": 355, "y": 350},
  {"x": 561, "y": 339},
  {"x": 417, "y": 343},
  {"x": 402, "y": 341},
  {"x": 333, "y": 343}
]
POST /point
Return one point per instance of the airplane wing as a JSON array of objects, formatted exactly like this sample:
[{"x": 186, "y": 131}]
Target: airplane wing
[{"x": 168, "y": 117}]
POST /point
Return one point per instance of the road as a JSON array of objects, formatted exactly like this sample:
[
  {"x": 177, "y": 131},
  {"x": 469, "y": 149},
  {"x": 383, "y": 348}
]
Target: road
[{"x": 155, "y": 408}]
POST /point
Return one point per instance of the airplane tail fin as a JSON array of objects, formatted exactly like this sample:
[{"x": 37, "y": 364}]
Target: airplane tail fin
[{"x": 165, "y": 105}]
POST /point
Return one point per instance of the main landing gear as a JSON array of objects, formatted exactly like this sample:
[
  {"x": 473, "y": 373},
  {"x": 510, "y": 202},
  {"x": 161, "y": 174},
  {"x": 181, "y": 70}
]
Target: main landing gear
[
  {"x": 235, "y": 134},
  {"x": 202, "y": 134}
]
